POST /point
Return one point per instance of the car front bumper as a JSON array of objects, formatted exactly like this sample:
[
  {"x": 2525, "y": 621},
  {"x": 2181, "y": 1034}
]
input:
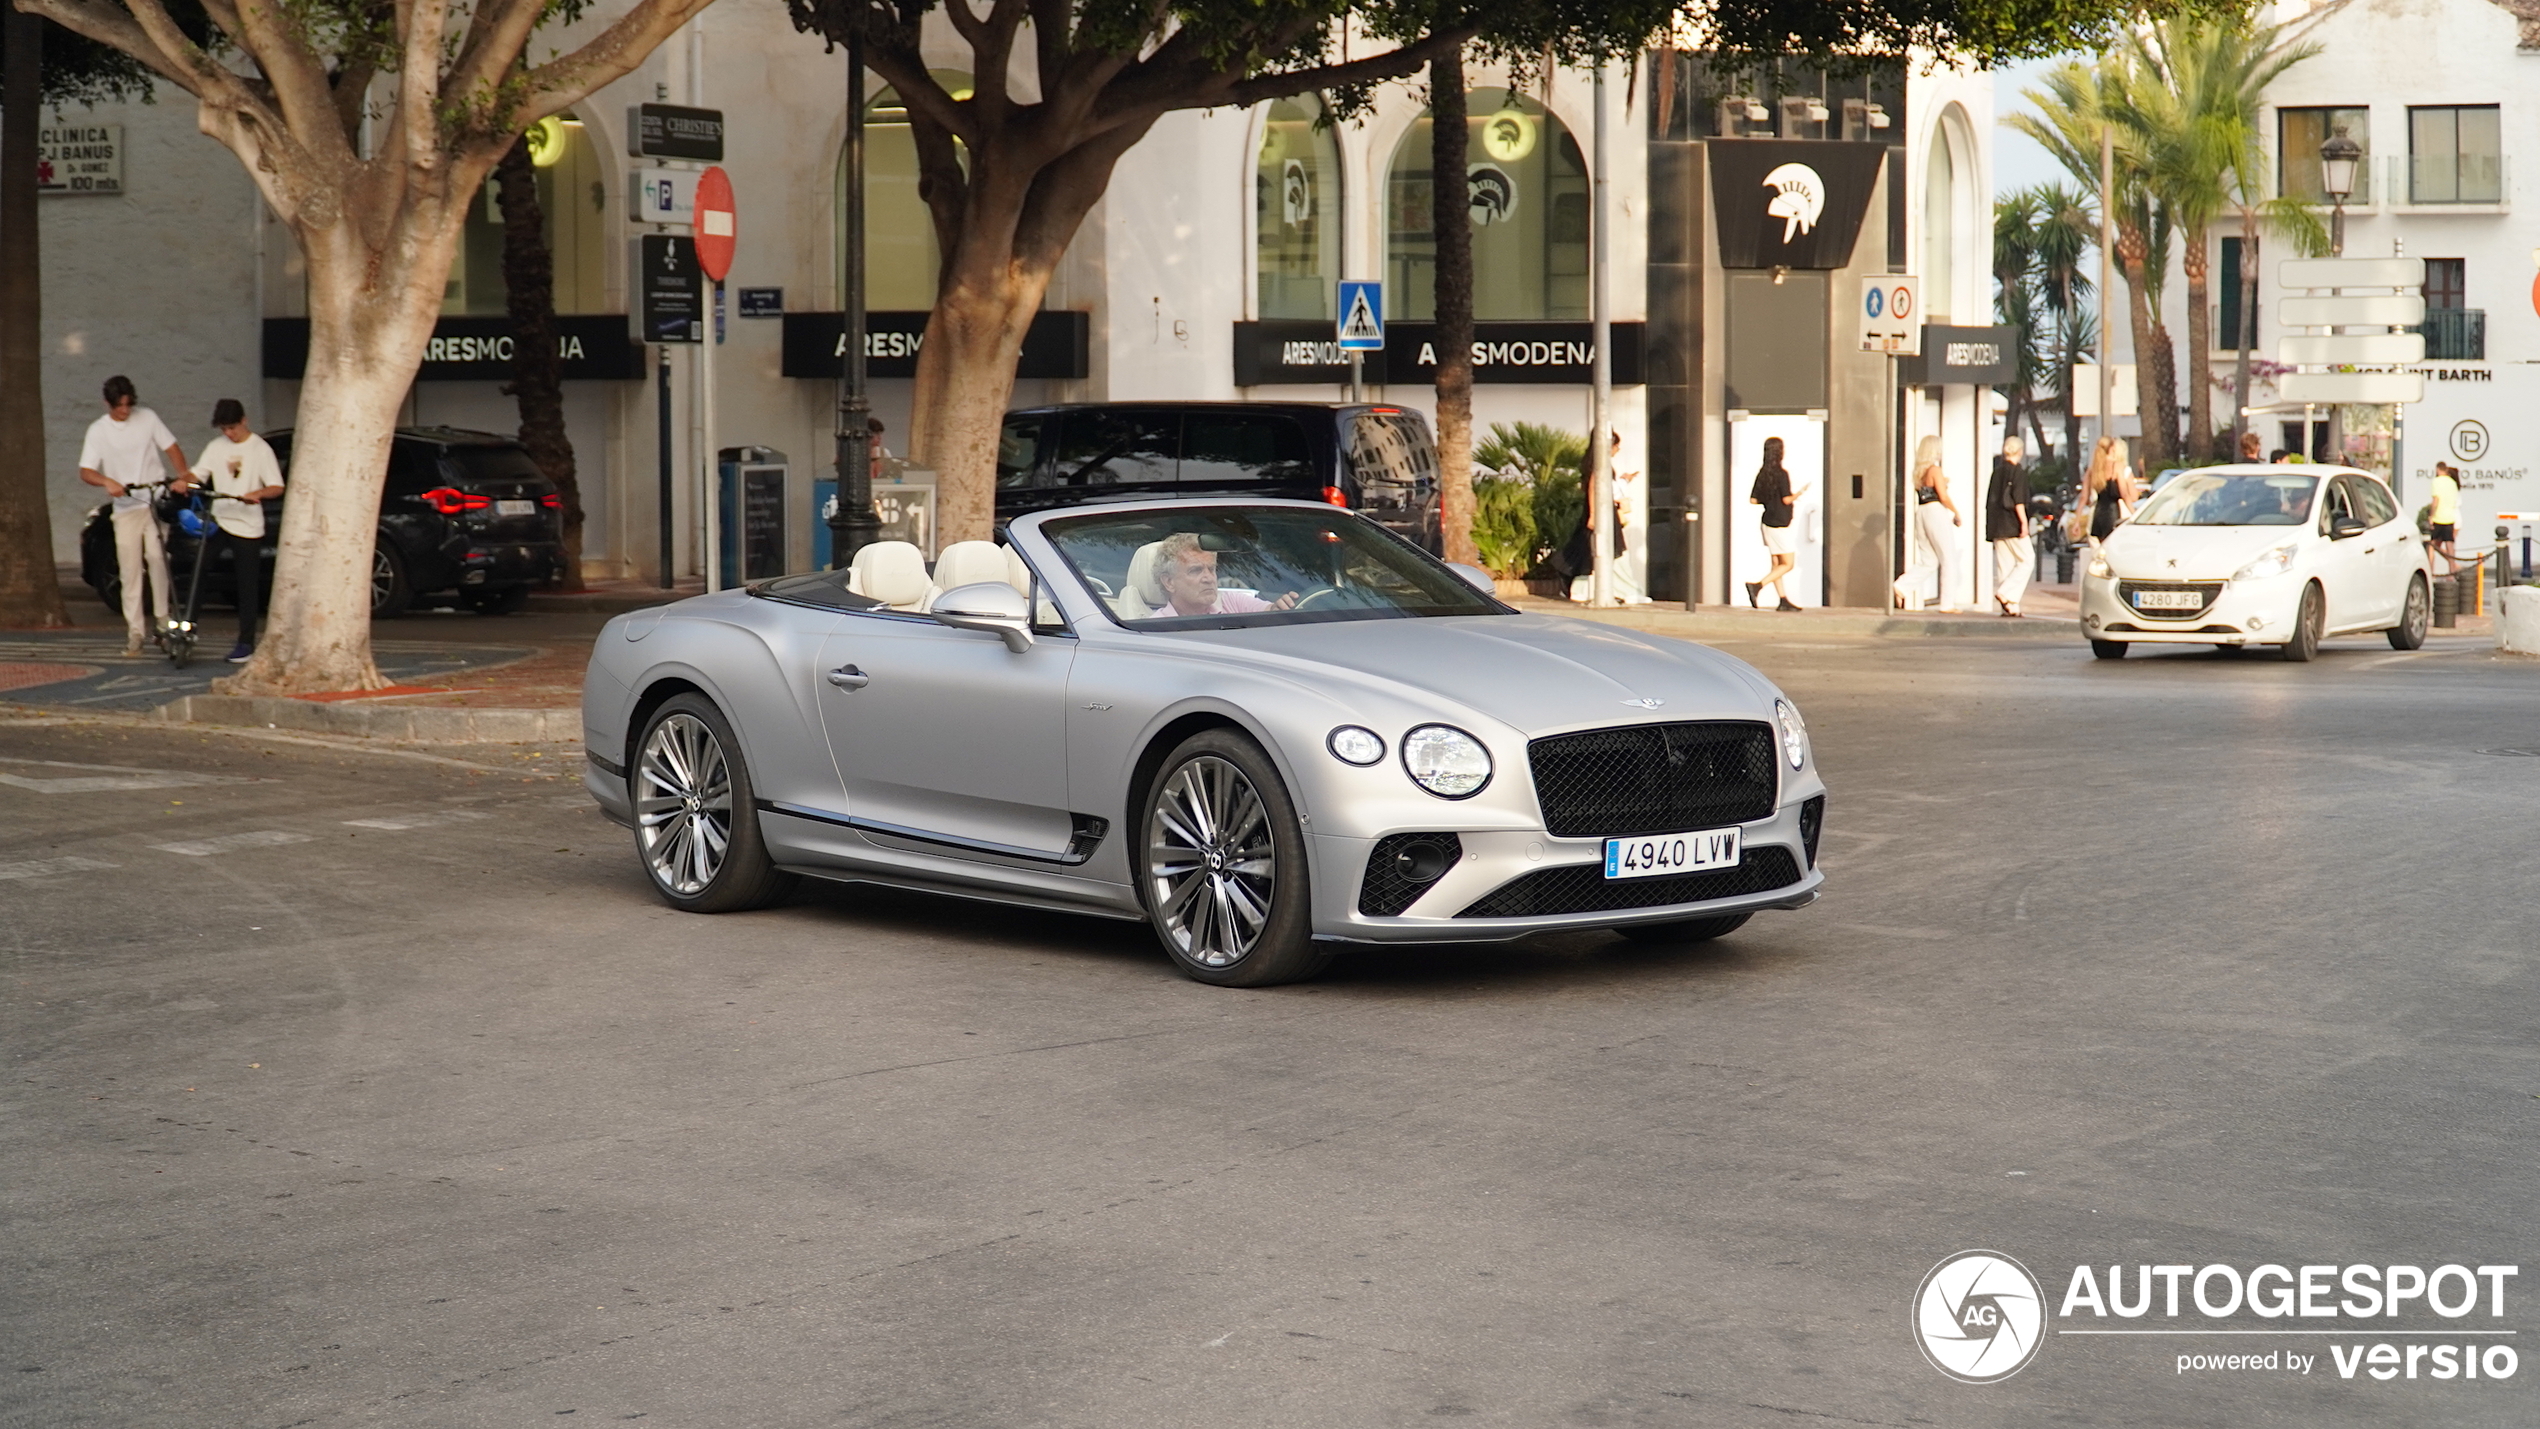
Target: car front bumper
[{"x": 2244, "y": 612}]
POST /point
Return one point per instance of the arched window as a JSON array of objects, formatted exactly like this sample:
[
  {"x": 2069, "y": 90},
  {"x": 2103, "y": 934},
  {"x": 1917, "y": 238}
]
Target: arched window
[
  {"x": 1296, "y": 186},
  {"x": 902, "y": 262},
  {"x": 573, "y": 197},
  {"x": 1940, "y": 230},
  {"x": 1529, "y": 188}
]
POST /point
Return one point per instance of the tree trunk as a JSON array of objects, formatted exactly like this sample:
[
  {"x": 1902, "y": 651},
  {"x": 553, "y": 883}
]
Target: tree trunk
[
  {"x": 2246, "y": 337},
  {"x": 1451, "y": 220},
  {"x": 2131, "y": 258},
  {"x": 965, "y": 378},
  {"x": 369, "y": 317},
  {"x": 2200, "y": 347},
  {"x": 529, "y": 282},
  {"x": 2164, "y": 417},
  {"x": 30, "y": 589}
]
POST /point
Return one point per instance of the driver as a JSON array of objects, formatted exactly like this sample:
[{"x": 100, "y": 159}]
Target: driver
[{"x": 1188, "y": 573}]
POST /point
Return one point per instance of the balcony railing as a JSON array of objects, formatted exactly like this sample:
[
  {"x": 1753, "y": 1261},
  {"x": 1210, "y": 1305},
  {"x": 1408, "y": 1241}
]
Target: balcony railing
[{"x": 2455, "y": 334}]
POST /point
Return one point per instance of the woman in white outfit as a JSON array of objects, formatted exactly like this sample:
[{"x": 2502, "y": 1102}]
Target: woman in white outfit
[{"x": 1931, "y": 546}]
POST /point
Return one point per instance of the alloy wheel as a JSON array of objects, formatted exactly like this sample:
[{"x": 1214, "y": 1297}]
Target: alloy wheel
[
  {"x": 1212, "y": 867},
  {"x": 683, "y": 804},
  {"x": 383, "y": 578}
]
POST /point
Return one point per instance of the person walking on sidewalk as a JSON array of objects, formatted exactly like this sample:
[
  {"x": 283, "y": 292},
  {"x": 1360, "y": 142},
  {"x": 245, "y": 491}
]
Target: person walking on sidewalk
[
  {"x": 1931, "y": 534},
  {"x": 122, "y": 451},
  {"x": 243, "y": 474},
  {"x": 2443, "y": 513},
  {"x": 2006, "y": 526},
  {"x": 2109, "y": 489},
  {"x": 1773, "y": 492}
]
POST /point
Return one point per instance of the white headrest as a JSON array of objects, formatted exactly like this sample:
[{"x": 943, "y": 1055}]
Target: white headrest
[
  {"x": 970, "y": 562},
  {"x": 1017, "y": 574},
  {"x": 892, "y": 572},
  {"x": 1144, "y": 580}
]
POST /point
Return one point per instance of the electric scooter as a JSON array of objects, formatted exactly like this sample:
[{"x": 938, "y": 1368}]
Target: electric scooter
[{"x": 196, "y": 519}]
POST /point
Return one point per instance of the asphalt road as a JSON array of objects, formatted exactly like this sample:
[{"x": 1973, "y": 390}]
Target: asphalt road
[{"x": 411, "y": 1106}]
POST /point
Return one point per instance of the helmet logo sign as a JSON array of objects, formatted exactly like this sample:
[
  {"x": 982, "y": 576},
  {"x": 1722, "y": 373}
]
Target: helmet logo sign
[{"x": 1799, "y": 196}]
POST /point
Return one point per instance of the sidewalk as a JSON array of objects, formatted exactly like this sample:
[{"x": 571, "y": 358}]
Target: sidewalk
[{"x": 2049, "y": 613}]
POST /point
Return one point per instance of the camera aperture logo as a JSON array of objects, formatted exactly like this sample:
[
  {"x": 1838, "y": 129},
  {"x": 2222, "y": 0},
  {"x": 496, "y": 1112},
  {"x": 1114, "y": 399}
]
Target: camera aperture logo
[{"x": 1979, "y": 1317}]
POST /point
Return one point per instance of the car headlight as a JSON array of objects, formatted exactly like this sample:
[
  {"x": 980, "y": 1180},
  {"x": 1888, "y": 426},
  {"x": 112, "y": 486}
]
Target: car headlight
[
  {"x": 1445, "y": 761},
  {"x": 1794, "y": 733},
  {"x": 1352, "y": 745},
  {"x": 2099, "y": 568},
  {"x": 2274, "y": 563}
]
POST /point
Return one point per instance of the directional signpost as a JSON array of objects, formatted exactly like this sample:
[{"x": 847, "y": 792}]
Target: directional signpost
[
  {"x": 1361, "y": 327},
  {"x": 2353, "y": 353}
]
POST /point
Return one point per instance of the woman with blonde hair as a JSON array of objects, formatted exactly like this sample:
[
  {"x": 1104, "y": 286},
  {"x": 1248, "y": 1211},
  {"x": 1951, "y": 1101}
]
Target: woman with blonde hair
[
  {"x": 1931, "y": 533},
  {"x": 2108, "y": 490}
]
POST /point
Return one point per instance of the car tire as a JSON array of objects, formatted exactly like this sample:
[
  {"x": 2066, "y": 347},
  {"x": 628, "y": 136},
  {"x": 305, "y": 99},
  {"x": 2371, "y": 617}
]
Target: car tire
[
  {"x": 391, "y": 592},
  {"x": 2416, "y": 613},
  {"x": 2108, "y": 649},
  {"x": 2307, "y": 620},
  {"x": 503, "y": 600},
  {"x": 110, "y": 590},
  {"x": 689, "y": 788},
  {"x": 1685, "y": 930},
  {"x": 1221, "y": 866}
]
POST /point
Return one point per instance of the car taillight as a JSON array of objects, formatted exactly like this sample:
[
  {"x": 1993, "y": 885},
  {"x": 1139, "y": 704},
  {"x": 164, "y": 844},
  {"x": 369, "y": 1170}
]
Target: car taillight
[
  {"x": 552, "y": 501},
  {"x": 450, "y": 501},
  {"x": 1333, "y": 495}
]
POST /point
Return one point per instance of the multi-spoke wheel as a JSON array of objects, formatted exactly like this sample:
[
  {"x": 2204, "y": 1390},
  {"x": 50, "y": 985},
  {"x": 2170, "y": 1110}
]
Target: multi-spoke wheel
[
  {"x": 2310, "y": 619},
  {"x": 1222, "y": 865},
  {"x": 695, "y": 827},
  {"x": 390, "y": 591},
  {"x": 2416, "y": 612}
]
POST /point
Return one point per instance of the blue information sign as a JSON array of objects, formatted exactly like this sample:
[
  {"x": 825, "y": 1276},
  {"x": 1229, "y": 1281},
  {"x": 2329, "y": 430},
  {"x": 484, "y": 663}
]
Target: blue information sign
[{"x": 1362, "y": 320}]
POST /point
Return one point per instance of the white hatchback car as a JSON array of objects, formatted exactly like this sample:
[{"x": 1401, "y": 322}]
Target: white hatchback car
[{"x": 2259, "y": 555}]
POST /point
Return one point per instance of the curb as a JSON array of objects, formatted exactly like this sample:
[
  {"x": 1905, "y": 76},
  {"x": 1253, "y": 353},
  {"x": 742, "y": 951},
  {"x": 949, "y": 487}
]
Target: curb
[
  {"x": 423, "y": 724},
  {"x": 1721, "y": 622}
]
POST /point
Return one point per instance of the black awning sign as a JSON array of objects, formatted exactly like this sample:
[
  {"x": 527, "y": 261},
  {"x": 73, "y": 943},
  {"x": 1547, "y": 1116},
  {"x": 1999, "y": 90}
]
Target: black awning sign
[
  {"x": 1791, "y": 203},
  {"x": 675, "y": 131}
]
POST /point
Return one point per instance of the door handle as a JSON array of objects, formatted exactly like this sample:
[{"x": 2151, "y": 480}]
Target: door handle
[{"x": 848, "y": 677}]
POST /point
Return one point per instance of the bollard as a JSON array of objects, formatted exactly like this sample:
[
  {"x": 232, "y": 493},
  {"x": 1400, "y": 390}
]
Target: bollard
[
  {"x": 2064, "y": 566},
  {"x": 2518, "y": 620},
  {"x": 2447, "y": 602}
]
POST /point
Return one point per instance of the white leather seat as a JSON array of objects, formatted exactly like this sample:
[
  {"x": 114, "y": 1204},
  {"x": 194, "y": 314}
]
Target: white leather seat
[
  {"x": 1144, "y": 595},
  {"x": 894, "y": 573},
  {"x": 969, "y": 563}
]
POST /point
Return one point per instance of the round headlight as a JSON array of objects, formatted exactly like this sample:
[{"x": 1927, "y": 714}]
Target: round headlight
[
  {"x": 1794, "y": 733},
  {"x": 1445, "y": 761},
  {"x": 1351, "y": 745}
]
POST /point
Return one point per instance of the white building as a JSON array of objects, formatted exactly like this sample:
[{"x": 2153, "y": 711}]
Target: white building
[{"x": 1206, "y": 269}]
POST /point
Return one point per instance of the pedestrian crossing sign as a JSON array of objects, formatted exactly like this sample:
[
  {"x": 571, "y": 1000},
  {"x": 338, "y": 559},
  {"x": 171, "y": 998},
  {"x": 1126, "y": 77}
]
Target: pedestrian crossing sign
[{"x": 1362, "y": 324}]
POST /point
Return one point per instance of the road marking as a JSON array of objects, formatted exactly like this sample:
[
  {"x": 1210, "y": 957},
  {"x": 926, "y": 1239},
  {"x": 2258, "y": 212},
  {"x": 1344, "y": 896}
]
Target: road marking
[
  {"x": 47, "y": 867},
  {"x": 113, "y": 776},
  {"x": 204, "y": 848},
  {"x": 420, "y": 821}
]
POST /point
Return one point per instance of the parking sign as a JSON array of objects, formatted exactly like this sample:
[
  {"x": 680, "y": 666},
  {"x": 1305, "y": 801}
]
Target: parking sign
[{"x": 1891, "y": 313}]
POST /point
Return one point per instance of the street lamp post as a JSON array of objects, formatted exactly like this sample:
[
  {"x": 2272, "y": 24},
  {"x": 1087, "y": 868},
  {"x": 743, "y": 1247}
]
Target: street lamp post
[
  {"x": 852, "y": 525},
  {"x": 2338, "y": 157}
]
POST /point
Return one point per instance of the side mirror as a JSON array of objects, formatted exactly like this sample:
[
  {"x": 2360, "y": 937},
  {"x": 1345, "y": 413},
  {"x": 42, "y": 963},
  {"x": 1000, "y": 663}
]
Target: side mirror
[
  {"x": 992, "y": 606},
  {"x": 1474, "y": 576},
  {"x": 2345, "y": 526}
]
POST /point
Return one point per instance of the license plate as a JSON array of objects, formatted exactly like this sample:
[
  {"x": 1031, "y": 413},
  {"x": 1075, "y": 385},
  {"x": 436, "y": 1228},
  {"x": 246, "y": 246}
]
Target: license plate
[
  {"x": 1658, "y": 855},
  {"x": 2169, "y": 600},
  {"x": 515, "y": 508}
]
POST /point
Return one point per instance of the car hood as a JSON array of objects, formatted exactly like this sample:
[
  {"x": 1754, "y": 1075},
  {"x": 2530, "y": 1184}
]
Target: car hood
[
  {"x": 1537, "y": 673},
  {"x": 2211, "y": 553}
]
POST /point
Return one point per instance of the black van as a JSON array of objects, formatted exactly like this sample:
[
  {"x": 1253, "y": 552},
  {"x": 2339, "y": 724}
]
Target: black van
[{"x": 1376, "y": 460}]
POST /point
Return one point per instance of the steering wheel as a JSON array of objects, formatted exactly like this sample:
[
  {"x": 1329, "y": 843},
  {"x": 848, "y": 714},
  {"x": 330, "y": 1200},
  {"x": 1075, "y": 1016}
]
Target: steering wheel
[{"x": 1315, "y": 599}]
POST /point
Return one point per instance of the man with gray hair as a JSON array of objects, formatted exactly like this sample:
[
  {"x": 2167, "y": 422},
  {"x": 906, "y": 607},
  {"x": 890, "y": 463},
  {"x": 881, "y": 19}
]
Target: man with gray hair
[
  {"x": 2006, "y": 526},
  {"x": 1186, "y": 572}
]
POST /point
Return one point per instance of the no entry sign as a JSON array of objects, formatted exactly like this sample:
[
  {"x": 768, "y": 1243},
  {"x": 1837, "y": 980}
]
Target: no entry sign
[{"x": 716, "y": 223}]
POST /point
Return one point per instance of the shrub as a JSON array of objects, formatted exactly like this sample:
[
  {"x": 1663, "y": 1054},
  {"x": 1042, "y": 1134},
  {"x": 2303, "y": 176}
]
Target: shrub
[
  {"x": 1544, "y": 463},
  {"x": 1504, "y": 524}
]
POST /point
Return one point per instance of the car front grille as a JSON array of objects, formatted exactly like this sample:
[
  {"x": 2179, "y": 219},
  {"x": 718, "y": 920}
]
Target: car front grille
[
  {"x": 1654, "y": 778},
  {"x": 1392, "y": 882},
  {"x": 1584, "y": 888},
  {"x": 2131, "y": 594}
]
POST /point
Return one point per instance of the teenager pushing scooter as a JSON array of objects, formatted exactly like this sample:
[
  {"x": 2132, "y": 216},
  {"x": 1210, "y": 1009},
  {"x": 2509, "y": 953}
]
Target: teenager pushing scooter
[{"x": 243, "y": 474}]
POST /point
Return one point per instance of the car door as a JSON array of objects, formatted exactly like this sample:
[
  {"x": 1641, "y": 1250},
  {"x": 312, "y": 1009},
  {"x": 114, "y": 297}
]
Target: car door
[
  {"x": 945, "y": 739},
  {"x": 2346, "y": 574},
  {"x": 2392, "y": 548}
]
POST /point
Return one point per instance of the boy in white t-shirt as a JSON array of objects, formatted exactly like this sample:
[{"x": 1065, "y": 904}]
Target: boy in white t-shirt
[
  {"x": 122, "y": 451},
  {"x": 243, "y": 474}
]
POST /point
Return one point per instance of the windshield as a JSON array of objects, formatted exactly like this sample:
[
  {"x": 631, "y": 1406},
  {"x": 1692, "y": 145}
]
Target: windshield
[
  {"x": 2230, "y": 499},
  {"x": 1221, "y": 567}
]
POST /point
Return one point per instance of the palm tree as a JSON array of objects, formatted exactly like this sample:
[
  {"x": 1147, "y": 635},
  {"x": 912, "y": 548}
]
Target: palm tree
[
  {"x": 2074, "y": 107},
  {"x": 2067, "y": 230},
  {"x": 2015, "y": 298}
]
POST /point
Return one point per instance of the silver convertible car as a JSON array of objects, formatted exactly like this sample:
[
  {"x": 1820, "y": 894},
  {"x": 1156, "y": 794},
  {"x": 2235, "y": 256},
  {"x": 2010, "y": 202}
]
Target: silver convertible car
[{"x": 1270, "y": 729}]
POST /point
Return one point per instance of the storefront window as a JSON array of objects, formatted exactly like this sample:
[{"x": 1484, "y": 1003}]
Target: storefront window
[
  {"x": 901, "y": 259},
  {"x": 574, "y": 199},
  {"x": 1296, "y": 187},
  {"x": 1529, "y": 188}
]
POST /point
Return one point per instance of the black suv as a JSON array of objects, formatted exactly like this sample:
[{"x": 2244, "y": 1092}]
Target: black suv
[
  {"x": 465, "y": 519},
  {"x": 1376, "y": 460}
]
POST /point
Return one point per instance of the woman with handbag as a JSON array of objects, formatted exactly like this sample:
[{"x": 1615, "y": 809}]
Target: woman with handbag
[
  {"x": 2108, "y": 491},
  {"x": 1931, "y": 546}
]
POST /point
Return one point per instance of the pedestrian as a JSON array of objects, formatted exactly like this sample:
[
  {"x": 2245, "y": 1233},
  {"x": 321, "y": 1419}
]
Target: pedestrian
[
  {"x": 2250, "y": 446},
  {"x": 1780, "y": 500},
  {"x": 1931, "y": 544},
  {"x": 122, "y": 451},
  {"x": 2443, "y": 512},
  {"x": 1628, "y": 585},
  {"x": 2108, "y": 490},
  {"x": 2006, "y": 526},
  {"x": 244, "y": 475}
]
